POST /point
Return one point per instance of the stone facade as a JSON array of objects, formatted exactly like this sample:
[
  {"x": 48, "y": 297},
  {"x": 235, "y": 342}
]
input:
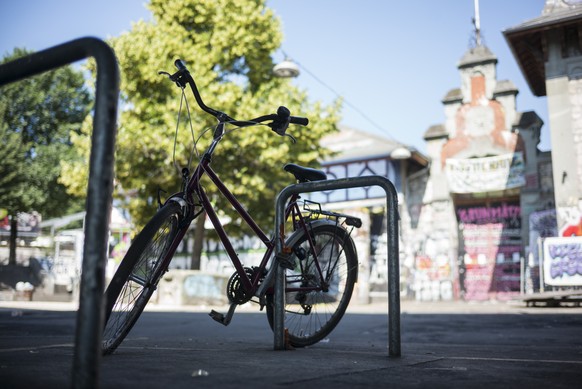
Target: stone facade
[{"x": 471, "y": 209}]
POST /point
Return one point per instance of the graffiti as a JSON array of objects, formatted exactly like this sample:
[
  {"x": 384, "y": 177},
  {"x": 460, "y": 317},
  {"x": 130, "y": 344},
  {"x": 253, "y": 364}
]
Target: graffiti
[
  {"x": 491, "y": 249},
  {"x": 566, "y": 259},
  {"x": 542, "y": 224},
  {"x": 202, "y": 285},
  {"x": 433, "y": 278},
  {"x": 563, "y": 261},
  {"x": 572, "y": 230},
  {"x": 434, "y": 290},
  {"x": 572, "y": 217},
  {"x": 483, "y": 215}
]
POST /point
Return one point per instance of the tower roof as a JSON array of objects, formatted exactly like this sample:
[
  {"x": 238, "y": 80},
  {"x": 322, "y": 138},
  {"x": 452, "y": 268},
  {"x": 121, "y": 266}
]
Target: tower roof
[{"x": 477, "y": 55}]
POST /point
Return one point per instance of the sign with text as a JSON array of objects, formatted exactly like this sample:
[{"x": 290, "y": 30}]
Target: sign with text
[{"x": 474, "y": 175}]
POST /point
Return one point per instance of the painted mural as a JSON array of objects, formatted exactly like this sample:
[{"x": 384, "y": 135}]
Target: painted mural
[
  {"x": 490, "y": 245},
  {"x": 572, "y": 221},
  {"x": 433, "y": 268},
  {"x": 542, "y": 224}
]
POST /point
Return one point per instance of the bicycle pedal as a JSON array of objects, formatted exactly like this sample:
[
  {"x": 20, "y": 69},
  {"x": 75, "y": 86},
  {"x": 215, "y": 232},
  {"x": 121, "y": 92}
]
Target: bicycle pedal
[
  {"x": 223, "y": 319},
  {"x": 217, "y": 316},
  {"x": 285, "y": 261}
]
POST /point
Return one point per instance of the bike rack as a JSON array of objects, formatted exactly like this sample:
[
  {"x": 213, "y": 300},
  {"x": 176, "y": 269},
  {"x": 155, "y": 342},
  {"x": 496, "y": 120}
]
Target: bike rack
[
  {"x": 100, "y": 188},
  {"x": 393, "y": 260}
]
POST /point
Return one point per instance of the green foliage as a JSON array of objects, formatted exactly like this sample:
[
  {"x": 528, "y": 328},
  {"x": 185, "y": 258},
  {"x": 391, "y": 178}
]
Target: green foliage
[
  {"x": 37, "y": 116},
  {"x": 227, "y": 45}
]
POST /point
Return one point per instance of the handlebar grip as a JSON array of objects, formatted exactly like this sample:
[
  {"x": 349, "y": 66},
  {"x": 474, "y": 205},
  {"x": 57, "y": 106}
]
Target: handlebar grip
[
  {"x": 181, "y": 65},
  {"x": 299, "y": 120}
]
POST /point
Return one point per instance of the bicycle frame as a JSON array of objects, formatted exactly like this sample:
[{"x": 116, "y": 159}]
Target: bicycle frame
[{"x": 192, "y": 188}]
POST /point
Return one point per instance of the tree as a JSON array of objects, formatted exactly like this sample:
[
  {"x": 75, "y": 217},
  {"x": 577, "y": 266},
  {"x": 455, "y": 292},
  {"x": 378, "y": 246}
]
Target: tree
[
  {"x": 228, "y": 46},
  {"x": 37, "y": 116}
]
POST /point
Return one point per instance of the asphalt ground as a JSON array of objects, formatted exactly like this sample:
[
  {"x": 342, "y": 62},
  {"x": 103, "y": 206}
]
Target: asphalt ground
[{"x": 444, "y": 345}]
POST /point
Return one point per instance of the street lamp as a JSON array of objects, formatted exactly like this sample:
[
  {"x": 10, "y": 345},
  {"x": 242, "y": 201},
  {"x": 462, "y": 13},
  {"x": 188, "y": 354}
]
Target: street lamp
[
  {"x": 400, "y": 152},
  {"x": 286, "y": 69}
]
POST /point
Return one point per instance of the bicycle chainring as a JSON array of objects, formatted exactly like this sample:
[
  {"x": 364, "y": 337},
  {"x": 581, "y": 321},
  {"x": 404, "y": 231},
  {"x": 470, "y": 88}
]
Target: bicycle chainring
[{"x": 234, "y": 288}]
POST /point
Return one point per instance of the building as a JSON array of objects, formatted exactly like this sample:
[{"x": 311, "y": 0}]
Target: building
[
  {"x": 470, "y": 212},
  {"x": 358, "y": 154},
  {"x": 548, "y": 50}
]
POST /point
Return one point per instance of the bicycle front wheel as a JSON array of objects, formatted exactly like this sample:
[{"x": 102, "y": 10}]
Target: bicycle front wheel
[
  {"x": 138, "y": 274},
  {"x": 319, "y": 288}
]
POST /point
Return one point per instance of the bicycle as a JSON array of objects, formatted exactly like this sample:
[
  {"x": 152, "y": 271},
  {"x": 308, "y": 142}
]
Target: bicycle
[{"x": 319, "y": 257}]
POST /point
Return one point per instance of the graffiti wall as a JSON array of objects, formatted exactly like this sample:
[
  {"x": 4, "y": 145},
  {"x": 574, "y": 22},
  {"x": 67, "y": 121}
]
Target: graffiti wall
[
  {"x": 490, "y": 246},
  {"x": 434, "y": 272},
  {"x": 542, "y": 224},
  {"x": 572, "y": 220}
]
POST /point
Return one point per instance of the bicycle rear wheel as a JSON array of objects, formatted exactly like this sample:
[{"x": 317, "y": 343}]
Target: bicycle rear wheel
[
  {"x": 315, "y": 305},
  {"x": 138, "y": 274}
]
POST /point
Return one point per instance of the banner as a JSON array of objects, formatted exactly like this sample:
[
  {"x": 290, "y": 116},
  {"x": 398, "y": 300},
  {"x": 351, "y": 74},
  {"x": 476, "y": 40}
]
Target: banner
[
  {"x": 474, "y": 175},
  {"x": 562, "y": 262}
]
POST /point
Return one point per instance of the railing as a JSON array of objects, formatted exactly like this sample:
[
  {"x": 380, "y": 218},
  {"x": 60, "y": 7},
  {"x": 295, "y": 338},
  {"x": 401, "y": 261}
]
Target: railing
[
  {"x": 100, "y": 188},
  {"x": 393, "y": 260}
]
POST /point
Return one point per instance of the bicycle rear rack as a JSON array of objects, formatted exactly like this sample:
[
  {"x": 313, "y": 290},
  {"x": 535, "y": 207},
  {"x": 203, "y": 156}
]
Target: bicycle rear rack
[{"x": 394, "y": 349}]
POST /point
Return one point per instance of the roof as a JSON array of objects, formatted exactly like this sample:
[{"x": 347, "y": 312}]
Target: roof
[
  {"x": 350, "y": 144},
  {"x": 436, "y": 131},
  {"x": 505, "y": 87},
  {"x": 454, "y": 95},
  {"x": 477, "y": 55},
  {"x": 527, "y": 41},
  {"x": 527, "y": 119}
]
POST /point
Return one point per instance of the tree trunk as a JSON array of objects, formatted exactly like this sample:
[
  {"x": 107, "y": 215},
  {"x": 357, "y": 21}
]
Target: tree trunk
[
  {"x": 13, "y": 237},
  {"x": 198, "y": 242}
]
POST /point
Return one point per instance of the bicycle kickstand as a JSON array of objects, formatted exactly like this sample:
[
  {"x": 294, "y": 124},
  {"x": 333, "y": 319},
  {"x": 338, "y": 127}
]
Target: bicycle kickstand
[{"x": 222, "y": 319}]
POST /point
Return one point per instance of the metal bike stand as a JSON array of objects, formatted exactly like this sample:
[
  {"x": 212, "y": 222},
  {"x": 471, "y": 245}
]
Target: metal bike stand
[
  {"x": 393, "y": 260},
  {"x": 99, "y": 193}
]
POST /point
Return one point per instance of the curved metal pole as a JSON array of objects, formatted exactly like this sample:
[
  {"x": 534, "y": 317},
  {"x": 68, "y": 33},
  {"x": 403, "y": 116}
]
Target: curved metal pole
[
  {"x": 100, "y": 188},
  {"x": 393, "y": 259}
]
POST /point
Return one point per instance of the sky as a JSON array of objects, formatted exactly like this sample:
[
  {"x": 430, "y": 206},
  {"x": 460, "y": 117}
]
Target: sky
[{"x": 392, "y": 61}]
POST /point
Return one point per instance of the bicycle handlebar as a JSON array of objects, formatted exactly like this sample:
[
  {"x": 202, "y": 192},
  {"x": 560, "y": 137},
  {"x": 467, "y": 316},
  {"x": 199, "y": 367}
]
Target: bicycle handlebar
[{"x": 279, "y": 121}]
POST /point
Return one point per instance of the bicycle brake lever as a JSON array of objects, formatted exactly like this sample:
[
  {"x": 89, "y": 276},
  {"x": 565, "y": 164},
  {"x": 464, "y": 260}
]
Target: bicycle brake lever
[{"x": 293, "y": 140}]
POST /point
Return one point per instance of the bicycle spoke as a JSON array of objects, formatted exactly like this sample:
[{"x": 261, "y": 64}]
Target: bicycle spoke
[
  {"x": 138, "y": 275},
  {"x": 320, "y": 287}
]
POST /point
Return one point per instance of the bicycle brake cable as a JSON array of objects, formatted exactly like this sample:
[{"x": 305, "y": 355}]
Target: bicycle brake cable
[
  {"x": 176, "y": 133},
  {"x": 194, "y": 149},
  {"x": 194, "y": 141}
]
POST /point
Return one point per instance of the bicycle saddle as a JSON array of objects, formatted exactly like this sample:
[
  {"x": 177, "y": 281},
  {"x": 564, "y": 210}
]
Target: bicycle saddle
[{"x": 305, "y": 174}]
